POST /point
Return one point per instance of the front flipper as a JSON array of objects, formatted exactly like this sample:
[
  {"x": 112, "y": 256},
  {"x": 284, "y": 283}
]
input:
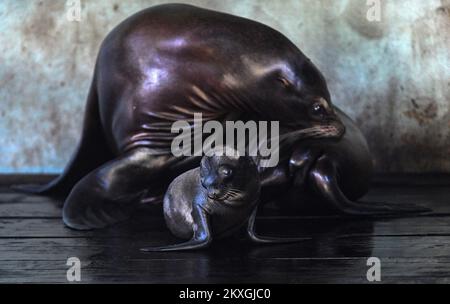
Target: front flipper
[
  {"x": 251, "y": 234},
  {"x": 201, "y": 238},
  {"x": 323, "y": 177},
  {"x": 301, "y": 162},
  {"x": 110, "y": 193},
  {"x": 192, "y": 244}
]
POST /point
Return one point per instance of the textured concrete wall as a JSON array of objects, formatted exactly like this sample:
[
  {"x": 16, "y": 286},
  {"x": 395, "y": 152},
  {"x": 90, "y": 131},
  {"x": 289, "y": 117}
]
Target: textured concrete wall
[{"x": 392, "y": 76}]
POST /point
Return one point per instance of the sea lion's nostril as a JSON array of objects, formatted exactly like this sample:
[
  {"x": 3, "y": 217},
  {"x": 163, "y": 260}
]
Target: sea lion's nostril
[{"x": 213, "y": 193}]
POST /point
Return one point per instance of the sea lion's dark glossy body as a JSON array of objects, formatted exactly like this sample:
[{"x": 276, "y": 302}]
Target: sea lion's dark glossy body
[
  {"x": 164, "y": 64},
  {"x": 214, "y": 201}
]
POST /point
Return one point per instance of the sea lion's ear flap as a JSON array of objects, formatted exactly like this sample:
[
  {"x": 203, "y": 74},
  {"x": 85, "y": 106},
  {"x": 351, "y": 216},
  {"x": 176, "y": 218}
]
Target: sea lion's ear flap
[{"x": 205, "y": 163}]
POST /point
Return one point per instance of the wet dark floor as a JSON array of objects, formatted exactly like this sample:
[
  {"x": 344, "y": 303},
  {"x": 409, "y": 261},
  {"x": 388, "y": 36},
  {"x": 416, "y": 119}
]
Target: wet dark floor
[{"x": 35, "y": 245}]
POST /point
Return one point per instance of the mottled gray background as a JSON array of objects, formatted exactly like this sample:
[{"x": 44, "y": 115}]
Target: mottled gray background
[{"x": 392, "y": 76}]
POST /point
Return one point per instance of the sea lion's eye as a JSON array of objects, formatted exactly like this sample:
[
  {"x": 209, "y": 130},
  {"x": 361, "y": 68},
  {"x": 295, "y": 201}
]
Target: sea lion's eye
[
  {"x": 318, "y": 109},
  {"x": 284, "y": 82},
  {"x": 225, "y": 171}
]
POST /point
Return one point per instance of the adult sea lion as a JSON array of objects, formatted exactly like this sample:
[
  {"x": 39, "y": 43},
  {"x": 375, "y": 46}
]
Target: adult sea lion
[
  {"x": 214, "y": 201},
  {"x": 164, "y": 64}
]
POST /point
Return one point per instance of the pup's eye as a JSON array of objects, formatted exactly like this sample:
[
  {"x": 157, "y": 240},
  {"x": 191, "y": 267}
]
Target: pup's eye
[
  {"x": 284, "y": 82},
  {"x": 225, "y": 171}
]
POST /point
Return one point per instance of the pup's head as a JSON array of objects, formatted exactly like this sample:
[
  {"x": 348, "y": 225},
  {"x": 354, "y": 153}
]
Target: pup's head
[{"x": 229, "y": 178}]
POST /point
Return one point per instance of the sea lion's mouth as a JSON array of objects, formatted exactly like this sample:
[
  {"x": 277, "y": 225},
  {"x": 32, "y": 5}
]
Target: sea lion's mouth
[
  {"x": 219, "y": 198},
  {"x": 229, "y": 196},
  {"x": 330, "y": 130},
  {"x": 334, "y": 130},
  {"x": 213, "y": 197}
]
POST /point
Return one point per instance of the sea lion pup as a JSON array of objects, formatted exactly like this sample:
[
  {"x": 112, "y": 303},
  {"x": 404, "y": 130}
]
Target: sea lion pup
[{"x": 214, "y": 201}]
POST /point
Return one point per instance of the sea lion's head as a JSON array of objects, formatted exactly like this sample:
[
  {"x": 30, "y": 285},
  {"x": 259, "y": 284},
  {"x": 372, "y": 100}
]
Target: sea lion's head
[
  {"x": 231, "y": 180},
  {"x": 290, "y": 89}
]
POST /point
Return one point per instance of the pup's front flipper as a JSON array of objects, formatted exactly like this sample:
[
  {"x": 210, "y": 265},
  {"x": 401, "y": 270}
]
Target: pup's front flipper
[
  {"x": 323, "y": 177},
  {"x": 251, "y": 234},
  {"x": 192, "y": 244},
  {"x": 201, "y": 239}
]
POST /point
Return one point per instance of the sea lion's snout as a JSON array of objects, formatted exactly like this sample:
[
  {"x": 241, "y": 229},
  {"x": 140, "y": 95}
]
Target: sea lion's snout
[
  {"x": 324, "y": 122},
  {"x": 335, "y": 129},
  {"x": 213, "y": 193},
  {"x": 327, "y": 122}
]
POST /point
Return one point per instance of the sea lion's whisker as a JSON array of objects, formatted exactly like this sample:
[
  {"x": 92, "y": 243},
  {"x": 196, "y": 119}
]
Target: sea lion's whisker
[
  {"x": 224, "y": 195},
  {"x": 233, "y": 190},
  {"x": 313, "y": 132}
]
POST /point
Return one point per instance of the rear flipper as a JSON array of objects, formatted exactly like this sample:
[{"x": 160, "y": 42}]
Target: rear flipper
[
  {"x": 193, "y": 244},
  {"x": 201, "y": 238},
  {"x": 254, "y": 237},
  {"x": 323, "y": 177}
]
